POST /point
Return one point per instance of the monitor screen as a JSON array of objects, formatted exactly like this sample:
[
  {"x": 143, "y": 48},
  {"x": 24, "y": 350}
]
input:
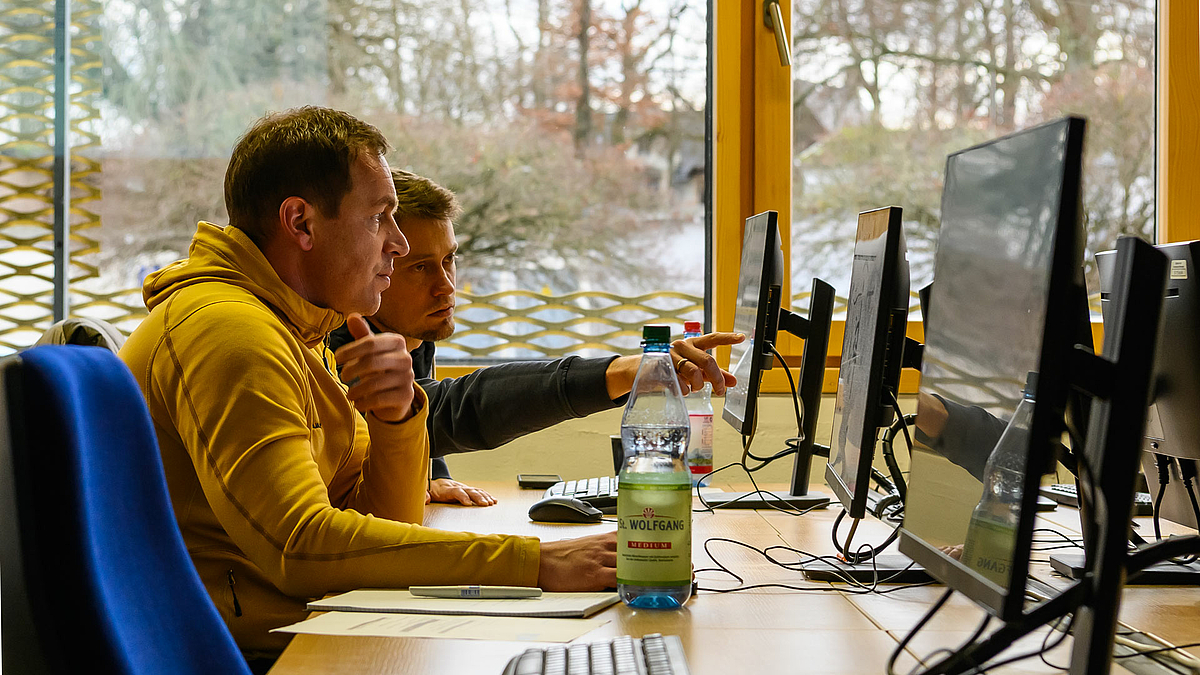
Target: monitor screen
[
  {"x": 876, "y": 318},
  {"x": 1009, "y": 276},
  {"x": 757, "y": 300}
]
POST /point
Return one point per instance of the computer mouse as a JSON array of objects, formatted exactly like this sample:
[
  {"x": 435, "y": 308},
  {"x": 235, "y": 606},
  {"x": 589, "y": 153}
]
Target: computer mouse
[{"x": 564, "y": 510}]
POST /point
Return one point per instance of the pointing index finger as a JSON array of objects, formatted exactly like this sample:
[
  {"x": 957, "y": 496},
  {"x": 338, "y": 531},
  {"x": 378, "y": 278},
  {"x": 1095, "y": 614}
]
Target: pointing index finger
[
  {"x": 694, "y": 352},
  {"x": 710, "y": 340}
]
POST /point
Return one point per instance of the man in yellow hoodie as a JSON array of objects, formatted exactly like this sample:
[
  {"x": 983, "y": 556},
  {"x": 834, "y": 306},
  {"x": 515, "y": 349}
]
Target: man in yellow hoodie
[{"x": 282, "y": 490}]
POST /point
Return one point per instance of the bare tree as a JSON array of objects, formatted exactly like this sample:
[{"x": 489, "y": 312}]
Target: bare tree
[{"x": 583, "y": 105}]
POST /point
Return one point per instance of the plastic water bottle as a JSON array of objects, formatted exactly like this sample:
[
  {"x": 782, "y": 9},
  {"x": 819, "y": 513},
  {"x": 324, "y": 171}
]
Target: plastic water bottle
[
  {"x": 654, "y": 499},
  {"x": 992, "y": 532},
  {"x": 700, "y": 414}
]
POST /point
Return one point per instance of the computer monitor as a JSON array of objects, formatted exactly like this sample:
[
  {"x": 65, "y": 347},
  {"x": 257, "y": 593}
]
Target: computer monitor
[
  {"x": 872, "y": 349},
  {"x": 1009, "y": 296},
  {"x": 1172, "y": 426},
  {"x": 759, "y": 316},
  {"x": 1009, "y": 292},
  {"x": 760, "y": 279}
]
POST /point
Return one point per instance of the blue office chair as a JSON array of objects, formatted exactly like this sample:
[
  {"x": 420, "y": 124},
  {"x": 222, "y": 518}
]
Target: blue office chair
[{"x": 96, "y": 577}]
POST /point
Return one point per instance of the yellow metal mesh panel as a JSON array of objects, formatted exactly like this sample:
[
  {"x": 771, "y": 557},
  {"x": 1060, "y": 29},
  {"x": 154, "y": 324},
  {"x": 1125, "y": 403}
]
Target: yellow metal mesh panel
[
  {"x": 27, "y": 161},
  {"x": 524, "y": 324}
]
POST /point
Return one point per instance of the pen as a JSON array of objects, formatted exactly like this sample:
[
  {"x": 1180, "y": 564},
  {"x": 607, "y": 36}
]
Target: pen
[{"x": 475, "y": 592}]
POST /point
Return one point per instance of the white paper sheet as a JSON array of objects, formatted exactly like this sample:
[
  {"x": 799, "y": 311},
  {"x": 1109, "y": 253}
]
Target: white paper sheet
[
  {"x": 559, "y": 605},
  {"x": 518, "y": 629}
]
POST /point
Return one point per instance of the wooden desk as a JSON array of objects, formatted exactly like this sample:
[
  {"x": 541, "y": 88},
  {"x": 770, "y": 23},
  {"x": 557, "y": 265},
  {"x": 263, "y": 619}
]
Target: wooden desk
[{"x": 770, "y": 631}]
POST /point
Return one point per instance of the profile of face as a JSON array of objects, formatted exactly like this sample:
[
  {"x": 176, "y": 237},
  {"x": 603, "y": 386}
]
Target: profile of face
[
  {"x": 420, "y": 302},
  {"x": 351, "y": 256}
]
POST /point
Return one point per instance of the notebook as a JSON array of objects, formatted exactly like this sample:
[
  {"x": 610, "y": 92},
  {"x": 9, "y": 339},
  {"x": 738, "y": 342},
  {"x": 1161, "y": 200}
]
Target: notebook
[{"x": 560, "y": 605}]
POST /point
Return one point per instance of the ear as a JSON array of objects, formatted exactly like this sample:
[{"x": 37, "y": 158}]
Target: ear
[{"x": 296, "y": 221}]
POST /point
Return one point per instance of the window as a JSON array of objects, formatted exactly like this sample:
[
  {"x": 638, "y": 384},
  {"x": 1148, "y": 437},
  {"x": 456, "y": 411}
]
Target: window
[
  {"x": 885, "y": 89},
  {"x": 161, "y": 88},
  {"x": 766, "y": 138},
  {"x": 573, "y": 132}
]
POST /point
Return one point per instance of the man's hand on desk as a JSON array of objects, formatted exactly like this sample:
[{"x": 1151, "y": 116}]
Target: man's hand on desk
[
  {"x": 693, "y": 365},
  {"x": 583, "y": 564},
  {"x": 447, "y": 491}
]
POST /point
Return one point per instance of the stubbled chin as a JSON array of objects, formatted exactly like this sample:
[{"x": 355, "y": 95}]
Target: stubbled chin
[{"x": 441, "y": 332}]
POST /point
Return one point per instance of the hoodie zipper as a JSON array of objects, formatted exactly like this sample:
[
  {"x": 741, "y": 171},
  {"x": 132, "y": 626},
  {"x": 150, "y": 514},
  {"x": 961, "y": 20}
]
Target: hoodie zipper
[{"x": 237, "y": 607}]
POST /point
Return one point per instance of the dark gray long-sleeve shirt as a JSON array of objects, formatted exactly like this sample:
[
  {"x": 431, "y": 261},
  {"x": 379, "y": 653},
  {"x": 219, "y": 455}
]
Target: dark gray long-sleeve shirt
[{"x": 494, "y": 405}]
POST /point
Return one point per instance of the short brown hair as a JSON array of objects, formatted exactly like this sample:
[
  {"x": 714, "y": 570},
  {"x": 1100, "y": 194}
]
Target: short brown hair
[
  {"x": 303, "y": 152},
  {"x": 420, "y": 197}
]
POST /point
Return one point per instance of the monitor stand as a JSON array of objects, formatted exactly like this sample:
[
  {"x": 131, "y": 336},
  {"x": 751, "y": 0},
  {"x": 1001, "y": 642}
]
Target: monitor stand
[
  {"x": 815, "y": 332},
  {"x": 890, "y": 568},
  {"x": 1165, "y": 573},
  {"x": 766, "y": 499},
  {"x": 894, "y": 568}
]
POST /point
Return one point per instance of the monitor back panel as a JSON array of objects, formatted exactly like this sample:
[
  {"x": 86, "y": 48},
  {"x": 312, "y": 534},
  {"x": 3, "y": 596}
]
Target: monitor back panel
[{"x": 876, "y": 318}]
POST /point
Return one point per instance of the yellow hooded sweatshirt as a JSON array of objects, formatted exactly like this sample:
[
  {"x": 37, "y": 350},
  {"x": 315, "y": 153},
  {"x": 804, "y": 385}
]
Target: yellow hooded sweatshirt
[{"x": 283, "y": 492}]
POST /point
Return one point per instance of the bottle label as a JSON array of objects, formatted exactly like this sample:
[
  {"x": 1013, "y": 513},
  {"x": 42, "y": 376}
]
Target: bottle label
[
  {"x": 700, "y": 448},
  {"x": 988, "y": 549},
  {"x": 654, "y": 534}
]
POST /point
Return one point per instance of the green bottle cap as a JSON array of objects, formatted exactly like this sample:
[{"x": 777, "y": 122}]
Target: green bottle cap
[{"x": 657, "y": 334}]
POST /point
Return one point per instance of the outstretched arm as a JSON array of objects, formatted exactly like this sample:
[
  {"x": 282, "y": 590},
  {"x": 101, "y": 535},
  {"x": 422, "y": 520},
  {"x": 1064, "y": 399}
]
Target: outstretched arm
[{"x": 693, "y": 363}]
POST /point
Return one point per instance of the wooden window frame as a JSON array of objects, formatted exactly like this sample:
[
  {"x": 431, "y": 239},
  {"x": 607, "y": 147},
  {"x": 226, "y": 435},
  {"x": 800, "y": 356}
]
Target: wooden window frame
[{"x": 753, "y": 140}]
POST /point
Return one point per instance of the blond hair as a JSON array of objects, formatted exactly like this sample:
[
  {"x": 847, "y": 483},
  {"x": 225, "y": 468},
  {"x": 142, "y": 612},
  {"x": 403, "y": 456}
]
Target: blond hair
[{"x": 422, "y": 198}]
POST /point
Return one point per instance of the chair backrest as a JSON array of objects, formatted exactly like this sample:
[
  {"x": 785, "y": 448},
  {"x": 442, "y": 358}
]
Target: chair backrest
[
  {"x": 82, "y": 331},
  {"x": 109, "y": 585}
]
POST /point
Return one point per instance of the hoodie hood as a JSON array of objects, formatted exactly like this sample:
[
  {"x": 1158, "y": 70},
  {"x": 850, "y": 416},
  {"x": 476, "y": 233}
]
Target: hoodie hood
[{"x": 226, "y": 255}]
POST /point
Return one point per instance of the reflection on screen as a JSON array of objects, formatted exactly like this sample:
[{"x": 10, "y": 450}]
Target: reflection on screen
[
  {"x": 858, "y": 350},
  {"x": 746, "y": 315},
  {"x": 999, "y": 216}
]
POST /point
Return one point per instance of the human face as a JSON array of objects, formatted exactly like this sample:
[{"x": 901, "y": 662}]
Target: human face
[
  {"x": 420, "y": 302},
  {"x": 353, "y": 254}
]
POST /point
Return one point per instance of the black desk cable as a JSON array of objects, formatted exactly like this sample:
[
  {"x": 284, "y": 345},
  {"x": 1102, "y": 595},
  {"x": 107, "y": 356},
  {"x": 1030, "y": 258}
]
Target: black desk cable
[
  {"x": 784, "y": 508},
  {"x": 1064, "y": 541},
  {"x": 1187, "y": 471},
  {"x": 1157, "y": 650},
  {"x": 1163, "y": 463},
  {"x": 864, "y": 552},
  {"x": 890, "y": 669},
  {"x": 902, "y": 422},
  {"x": 791, "y": 445},
  {"x": 769, "y": 553},
  {"x": 1062, "y": 625}
]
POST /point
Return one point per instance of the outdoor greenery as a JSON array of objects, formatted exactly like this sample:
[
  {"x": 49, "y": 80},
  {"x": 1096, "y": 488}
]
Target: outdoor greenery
[
  {"x": 566, "y": 127},
  {"x": 885, "y": 89},
  {"x": 573, "y": 129}
]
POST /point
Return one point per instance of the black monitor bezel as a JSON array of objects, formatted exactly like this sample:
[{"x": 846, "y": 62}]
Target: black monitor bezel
[
  {"x": 884, "y": 365},
  {"x": 1065, "y": 294},
  {"x": 766, "y": 320}
]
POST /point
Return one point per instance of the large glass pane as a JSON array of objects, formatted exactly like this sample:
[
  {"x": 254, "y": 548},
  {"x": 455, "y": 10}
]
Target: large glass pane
[
  {"x": 885, "y": 89},
  {"x": 572, "y": 131}
]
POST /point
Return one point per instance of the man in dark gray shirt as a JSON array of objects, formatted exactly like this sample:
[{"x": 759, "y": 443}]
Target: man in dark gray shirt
[{"x": 494, "y": 405}]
